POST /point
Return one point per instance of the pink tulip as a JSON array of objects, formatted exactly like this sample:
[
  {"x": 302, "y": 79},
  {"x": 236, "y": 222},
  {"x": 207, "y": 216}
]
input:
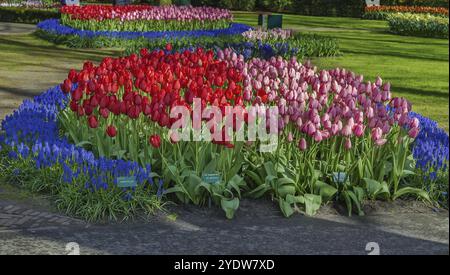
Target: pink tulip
[
  {"x": 413, "y": 132},
  {"x": 358, "y": 130},
  {"x": 348, "y": 144},
  {"x": 302, "y": 145},
  {"x": 290, "y": 137},
  {"x": 378, "y": 81},
  {"x": 318, "y": 136},
  {"x": 380, "y": 142},
  {"x": 347, "y": 131},
  {"x": 376, "y": 133},
  {"x": 414, "y": 123},
  {"x": 299, "y": 122},
  {"x": 311, "y": 129}
]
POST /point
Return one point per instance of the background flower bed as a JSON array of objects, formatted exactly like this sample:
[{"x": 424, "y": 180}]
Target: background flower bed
[
  {"x": 54, "y": 26},
  {"x": 341, "y": 8},
  {"x": 300, "y": 45},
  {"x": 145, "y": 18},
  {"x": 382, "y": 12},
  {"x": 418, "y": 25}
]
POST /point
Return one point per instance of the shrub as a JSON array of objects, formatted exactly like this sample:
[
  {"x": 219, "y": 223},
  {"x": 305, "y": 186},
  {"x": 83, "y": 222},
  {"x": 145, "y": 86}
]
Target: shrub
[
  {"x": 418, "y": 25},
  {"x": 345, "y": 8},
  {"x": 426, "y": 3}
]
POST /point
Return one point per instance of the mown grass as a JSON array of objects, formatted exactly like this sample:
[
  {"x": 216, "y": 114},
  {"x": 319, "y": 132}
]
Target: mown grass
[{"x": 417, "y": 68}]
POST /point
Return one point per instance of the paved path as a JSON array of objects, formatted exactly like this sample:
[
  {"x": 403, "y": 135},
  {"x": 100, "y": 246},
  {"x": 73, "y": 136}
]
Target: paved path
[
  {"x": 16, "y": 28},
  {"x": 257, "y": 229}
]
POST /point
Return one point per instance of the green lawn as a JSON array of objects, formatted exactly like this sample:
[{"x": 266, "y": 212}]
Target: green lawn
[
  {"x": 29, "y": 65},
  {"x": 417, "y": 68}
]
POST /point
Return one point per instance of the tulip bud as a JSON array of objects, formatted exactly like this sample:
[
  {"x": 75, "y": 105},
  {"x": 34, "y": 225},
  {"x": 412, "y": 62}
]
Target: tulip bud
[
  {"x": 348, "y": 144},
  {"x": 155, "y": 141},
  {"x": 318, "y": 136},
  {"x": 414, "y": 123},
  {"x": 413, "y": 132},
  {"x": 378, "y": 81},
  {"x": 376, "y": 133},
  {"x": 358, "y": 130},
  {"x": 290, "y": 137},
  {"x": 302, "y": 145},
  {"x": 111, "y": 131},
  {"x": 92, "y": 121}
]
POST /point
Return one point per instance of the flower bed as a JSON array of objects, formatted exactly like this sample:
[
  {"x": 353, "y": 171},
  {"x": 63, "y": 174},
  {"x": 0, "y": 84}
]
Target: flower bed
[
  {"x": 53, "y": 26},
  {"x": 34, "y": 156},
  {"x": 382, "y": 12},
  {"x": 299, "y": 45},
  {"x": 140, "y": 18},
  {"x": 418, "y": 25},
  {"x": 339, "y": 138}
]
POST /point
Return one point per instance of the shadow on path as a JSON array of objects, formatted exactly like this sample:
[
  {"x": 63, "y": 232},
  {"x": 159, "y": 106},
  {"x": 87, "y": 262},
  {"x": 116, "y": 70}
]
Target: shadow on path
[{"x": 258, "y": 228}]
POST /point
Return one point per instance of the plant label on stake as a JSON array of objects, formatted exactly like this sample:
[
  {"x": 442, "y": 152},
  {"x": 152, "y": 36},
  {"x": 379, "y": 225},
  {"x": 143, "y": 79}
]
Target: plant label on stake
[
  {"x": 339, "y": 177},
  {"x": 211, "y": 178},
  {"x": 126, "y": 182}
]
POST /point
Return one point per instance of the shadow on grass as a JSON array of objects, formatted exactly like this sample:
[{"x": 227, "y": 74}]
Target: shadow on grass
[
  {"x": 19, "y": 92},
  {"x": 25, "y": 46}
]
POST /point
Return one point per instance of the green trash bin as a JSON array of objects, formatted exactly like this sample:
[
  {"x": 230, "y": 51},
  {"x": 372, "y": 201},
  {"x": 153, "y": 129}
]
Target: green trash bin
[
  {"x": 181, "y": 2},
  {"x": 275, "y": 21},
  {"x": 262, "y": 19}
]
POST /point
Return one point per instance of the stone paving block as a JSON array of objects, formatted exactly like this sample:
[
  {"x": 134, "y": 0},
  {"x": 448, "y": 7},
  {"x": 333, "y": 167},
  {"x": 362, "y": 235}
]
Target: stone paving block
[
  {"x": 23, "y": 220},
  {"x": 8, "y": 207},
  {"x": 7, "y": 216},
  {"x": 13, "y": 210},
  {"x": 42, "y": 215},
  {"x": 53, "y": 219},
  {"x": 9, "y": 222},
  {"x": 61, "y": 220},
  {"x": 27, "y": 212}
]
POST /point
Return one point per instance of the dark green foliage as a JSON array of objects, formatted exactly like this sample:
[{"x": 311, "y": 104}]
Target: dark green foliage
[
  {"x": 426, "y": 3},
  {"x": 23, "y": 15}
]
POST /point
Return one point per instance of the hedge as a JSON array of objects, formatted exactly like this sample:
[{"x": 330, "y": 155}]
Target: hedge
[
  {"x": 418, "y": 25},
  {"x": 24, "y": 15},
  {"x": 424, "y": 3},
  {"x": 345, "y": 8}
]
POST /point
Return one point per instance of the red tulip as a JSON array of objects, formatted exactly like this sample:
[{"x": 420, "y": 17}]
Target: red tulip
[
  {"x": 111, "y": 131},
  {"x": 155, "y": 141},
  {"x": 66, "y": 87},
  {"x": 168, "y": 47},
  {"x": 92, "y": 121}
]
